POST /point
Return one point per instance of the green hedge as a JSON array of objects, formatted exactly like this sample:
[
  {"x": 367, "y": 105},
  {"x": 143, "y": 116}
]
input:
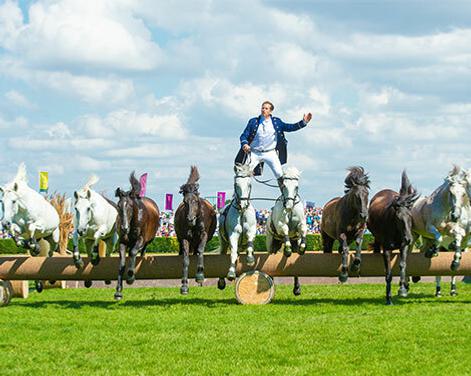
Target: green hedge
[{"x": 170, "y": 244}]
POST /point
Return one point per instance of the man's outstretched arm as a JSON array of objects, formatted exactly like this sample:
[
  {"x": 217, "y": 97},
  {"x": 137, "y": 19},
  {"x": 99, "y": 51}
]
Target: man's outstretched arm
[{"x": 296, "y": 126}]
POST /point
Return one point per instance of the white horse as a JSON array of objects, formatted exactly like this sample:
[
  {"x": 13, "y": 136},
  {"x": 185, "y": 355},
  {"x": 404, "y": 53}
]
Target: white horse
[
  {"x": 28, "y": 216},
  {"x": 440, "y": 214},
  {"x": 238, "y": 223},
  {"x": 286, "y": 224},
  {"x": 463, "y": 225},
  {"x": 94, "y": 220}
]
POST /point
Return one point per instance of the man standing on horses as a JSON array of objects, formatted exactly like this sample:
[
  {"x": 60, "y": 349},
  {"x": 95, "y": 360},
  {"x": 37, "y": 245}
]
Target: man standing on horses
[{"x": 263, "y": 141}]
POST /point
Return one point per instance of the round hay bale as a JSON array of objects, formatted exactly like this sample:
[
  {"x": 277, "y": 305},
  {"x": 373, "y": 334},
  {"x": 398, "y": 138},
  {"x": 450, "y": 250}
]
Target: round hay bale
[
  {"x": 5, "y": 293},
  {"x": 101, "y": 249},
  {"x": 44, "y": 248},
  {"x": 255, "y": 287},
  {"x": 19, "y": 289}
]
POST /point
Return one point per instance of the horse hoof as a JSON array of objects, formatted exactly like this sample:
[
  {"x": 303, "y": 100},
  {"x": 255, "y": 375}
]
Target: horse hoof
[
  {"x": 287, "y": 252},
  {"x": 118, "y": 296},
  {"x": 250, "y": 260},
  {"x": 389, "y": 302},
  {"x": 355, "y": 265},
  {"x": 107, "y": 282},
  {"x": 455, "y": 265},
  {"x": 78, "y": 264},
  {"x": 416, "y": 278},
  {"x": 343, "y": 277},
  {"x": 402, "y": 292},
  {"x": 34, "y": 253},
  {"x": 199, "y": 278},
  {"x": 302, "y": 250},
  {"x": 438, "y": 294},
  {"x": 130, "y": 280},
  {"x": 184, "y": 290},
  {"x": 221, "y": 283},
  {"x": 88, "y": 284},
  {"x": 38, "y": 285},
  {"x": 95, "y": 261},
  {"x": 429, "y": 253},
  {"x": 297, "y": 291},
  {"x": 453, "y": 293},
  {"x": 231, "y": 275}
]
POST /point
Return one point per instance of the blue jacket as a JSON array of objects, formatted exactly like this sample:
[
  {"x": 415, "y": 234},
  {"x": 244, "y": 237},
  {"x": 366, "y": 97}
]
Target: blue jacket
[{"x": 250, "y": 131}]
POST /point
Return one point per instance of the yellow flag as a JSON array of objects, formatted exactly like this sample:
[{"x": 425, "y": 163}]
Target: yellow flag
[{"x": 43, "y": 181}]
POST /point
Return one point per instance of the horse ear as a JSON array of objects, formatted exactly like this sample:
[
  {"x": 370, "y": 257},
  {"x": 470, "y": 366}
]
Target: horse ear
[
  {"x": 118, "y": 192},
  {"x": 15, "y": 187}
]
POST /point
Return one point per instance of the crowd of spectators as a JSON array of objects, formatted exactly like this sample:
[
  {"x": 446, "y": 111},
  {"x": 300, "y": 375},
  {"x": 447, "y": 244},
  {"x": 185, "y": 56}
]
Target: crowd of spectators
[{"x": 313, "y": 221}]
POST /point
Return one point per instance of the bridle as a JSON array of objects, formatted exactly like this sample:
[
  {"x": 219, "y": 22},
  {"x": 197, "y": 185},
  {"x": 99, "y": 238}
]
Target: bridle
[
  {"x": 296, "y": 199},
  {"x": 238, "y": 199}
]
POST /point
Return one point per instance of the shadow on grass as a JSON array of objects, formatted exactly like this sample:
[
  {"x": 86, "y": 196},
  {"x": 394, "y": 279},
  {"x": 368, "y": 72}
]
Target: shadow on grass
[{"x": 107, "y": 304}]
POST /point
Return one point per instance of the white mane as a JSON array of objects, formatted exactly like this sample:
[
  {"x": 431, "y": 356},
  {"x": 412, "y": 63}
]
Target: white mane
[
  {"x": 291, "y": 173},
  {"x": 242, "y": 170}
]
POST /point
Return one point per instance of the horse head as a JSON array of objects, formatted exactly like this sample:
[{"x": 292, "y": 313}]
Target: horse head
[
  {"x": 457, "y": 192},
  {"x": 357, "y": 184},
  {"x": 402, "y": 207},
  {"x": 12, "y": 193},
  {"x": 127, "y": 203},
  {"x": 242, "y": 185},
  {"x": 84, "y": 207},
  {"x": 191, "y": 196},
  {"x": 290, "y": 187}
]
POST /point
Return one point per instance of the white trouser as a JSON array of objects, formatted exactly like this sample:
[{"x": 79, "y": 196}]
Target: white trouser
[{"x": 270, "y": 158}]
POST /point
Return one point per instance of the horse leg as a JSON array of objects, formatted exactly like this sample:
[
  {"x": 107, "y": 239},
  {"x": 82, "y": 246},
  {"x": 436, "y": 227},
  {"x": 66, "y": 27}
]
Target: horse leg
[
  {"x": 438, "y": 288},
  {"x": 199, "y": 277},
  {"x": 131, "y": 275},
  {"x": 297, "y": 287},
  {"x": 118, "y": 295},
  {"x": 430, "y": 246},
  {"x": 388, "y": 275},
  {"x": 97, "y": 236},
  {"x": 403, "y": 280},
  {"x": 109, "y": 249},
  {"x": 453, "y": 291},
  {"x": 302, "y": 228},
  {"x": 251, "y": 233},
  {"x": 343, "y": 277},
  {"x": 455, "y": 246},
  {"x": 33, "y": 244},
  {"x": 357, "y": 260},
  {"x": 234, "y": 242},
  {"x": 185, "y": 251},
  {"x": 76, "y": 253},
  {"x": 327, "y": 242}
]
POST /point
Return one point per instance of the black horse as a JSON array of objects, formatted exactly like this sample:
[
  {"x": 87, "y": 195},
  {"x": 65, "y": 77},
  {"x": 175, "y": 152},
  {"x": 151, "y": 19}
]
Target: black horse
[
  {"x": 390, "y": 221},
  {"x": 195, "y": 223},
  {"x": 344, "y": 219},
  {"x": 138, "y": 222}
]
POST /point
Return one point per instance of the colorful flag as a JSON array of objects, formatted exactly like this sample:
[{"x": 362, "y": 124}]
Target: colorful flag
[
  {"x": 43, "y": 181},
  {"x": 143, "y": 181},
  {"x": 221, "y": 200},
  {"x": 168, "y": 201}
]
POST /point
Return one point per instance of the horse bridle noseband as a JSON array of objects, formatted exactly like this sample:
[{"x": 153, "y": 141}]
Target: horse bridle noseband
[{"x": 237, "y": 199}]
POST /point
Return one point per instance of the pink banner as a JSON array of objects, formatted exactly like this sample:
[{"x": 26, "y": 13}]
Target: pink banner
[
  {"x": 143, "y": 181},
  {"x": 221, "y": 200},
  {"x": 168, "y": 201}
]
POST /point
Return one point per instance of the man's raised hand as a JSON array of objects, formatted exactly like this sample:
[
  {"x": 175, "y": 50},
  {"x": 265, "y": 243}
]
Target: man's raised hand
[{"x": 307, "y": 118}]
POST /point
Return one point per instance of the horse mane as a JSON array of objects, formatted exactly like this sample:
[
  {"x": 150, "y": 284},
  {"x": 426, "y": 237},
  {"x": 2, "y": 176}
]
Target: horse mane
[
  {"x": 92, "y": 180},
  {"x": 191, "y": 185},
  {"x": 356, "y": 177},
  {"x": 135, "y": 185},
  {"x": 21, "y": 175},
  {"x": 407, "y": 194},
  {"x": 242, "y": 170},
  {"x": 291, "y": 173}
]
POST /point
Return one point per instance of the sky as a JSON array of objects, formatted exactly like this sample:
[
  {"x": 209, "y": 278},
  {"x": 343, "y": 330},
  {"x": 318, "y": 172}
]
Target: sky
[{"x": 107, "y": 87}]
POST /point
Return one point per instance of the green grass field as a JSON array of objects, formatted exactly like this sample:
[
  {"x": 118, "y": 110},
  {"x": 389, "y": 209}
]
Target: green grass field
[{"x": 330, "y": 329}]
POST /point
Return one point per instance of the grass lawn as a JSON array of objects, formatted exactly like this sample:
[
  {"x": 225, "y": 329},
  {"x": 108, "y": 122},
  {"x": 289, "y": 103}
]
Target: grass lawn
[{"x": 329, "y": 329}]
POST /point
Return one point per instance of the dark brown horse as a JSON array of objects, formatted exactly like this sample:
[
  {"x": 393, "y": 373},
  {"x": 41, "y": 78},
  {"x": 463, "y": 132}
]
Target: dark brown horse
[
  {"x": 390, "y": 221},
  {"x": 138, "y": 222},
  {"x": 195, "y": 223},
  {"x": 344, "y": 219}
]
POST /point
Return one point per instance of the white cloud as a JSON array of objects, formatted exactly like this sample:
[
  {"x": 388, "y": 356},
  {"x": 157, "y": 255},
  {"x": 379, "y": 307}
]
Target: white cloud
[
  {"x": 100, "y": 34},
  {"x": 86, "y": 163},
  {"x": 18, "y": 99}
]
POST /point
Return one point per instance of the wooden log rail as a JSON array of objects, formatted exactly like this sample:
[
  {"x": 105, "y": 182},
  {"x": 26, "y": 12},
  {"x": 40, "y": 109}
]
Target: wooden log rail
[{"x": 313, "y": 264}]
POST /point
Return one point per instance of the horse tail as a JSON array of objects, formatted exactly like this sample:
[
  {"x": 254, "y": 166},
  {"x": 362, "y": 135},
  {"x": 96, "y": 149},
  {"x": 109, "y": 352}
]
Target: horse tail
[
  {"x": 135, "y": 185},
  {"x": 92, "y": 180},
  {"x": 21, "y": 173},
  {"x": 407, "y": 194}
]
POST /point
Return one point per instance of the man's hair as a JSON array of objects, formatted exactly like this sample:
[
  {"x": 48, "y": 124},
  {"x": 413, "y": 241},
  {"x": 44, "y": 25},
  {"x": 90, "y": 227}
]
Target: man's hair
[{"x": 271, "y": 104}]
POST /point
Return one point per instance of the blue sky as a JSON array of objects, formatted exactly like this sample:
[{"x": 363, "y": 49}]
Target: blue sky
[{"x": 108, "y": 87}]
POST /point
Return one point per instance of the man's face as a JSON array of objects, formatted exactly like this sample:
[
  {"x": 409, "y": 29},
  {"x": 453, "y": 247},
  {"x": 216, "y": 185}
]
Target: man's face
[{"x": 266, "y": 110}]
